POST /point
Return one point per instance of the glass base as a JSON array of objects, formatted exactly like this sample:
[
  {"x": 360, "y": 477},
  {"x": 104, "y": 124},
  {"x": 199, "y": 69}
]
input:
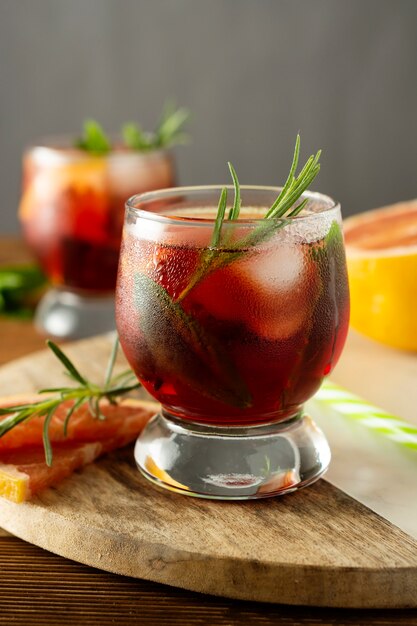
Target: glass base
[
  {"x": 232, "y": 463},
  {"x": 66, "y": 315}
]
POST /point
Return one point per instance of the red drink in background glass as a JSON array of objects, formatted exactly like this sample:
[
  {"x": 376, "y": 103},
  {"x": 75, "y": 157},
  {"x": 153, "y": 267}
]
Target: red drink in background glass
[{"x": 72, "y": 208}]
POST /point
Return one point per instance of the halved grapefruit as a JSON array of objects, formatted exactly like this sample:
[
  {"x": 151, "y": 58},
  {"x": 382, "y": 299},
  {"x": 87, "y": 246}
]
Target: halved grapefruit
[
  {"x": 23, "y": 471},
  {"x": 381, "y": 249}
]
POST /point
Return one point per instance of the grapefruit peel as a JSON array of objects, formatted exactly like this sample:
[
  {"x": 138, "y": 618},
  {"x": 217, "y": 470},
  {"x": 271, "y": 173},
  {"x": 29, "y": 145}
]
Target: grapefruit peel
[{"x": 381, "y": 249}]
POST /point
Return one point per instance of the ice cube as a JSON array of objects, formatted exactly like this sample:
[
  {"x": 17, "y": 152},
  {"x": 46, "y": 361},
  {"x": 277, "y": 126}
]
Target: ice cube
[
  {"x": 283, "y": 287},
  {"x": 278, "y": 267},
  {"x": 270, "y": 292}
]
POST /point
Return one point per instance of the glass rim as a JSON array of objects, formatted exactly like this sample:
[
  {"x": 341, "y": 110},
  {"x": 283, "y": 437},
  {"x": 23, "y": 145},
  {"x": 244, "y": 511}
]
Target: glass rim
[
  {"x": 62, "y": 146},
  {"x": 149, "y": 196}
]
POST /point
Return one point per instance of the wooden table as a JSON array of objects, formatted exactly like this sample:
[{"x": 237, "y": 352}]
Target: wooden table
[{"x": 40, "y": 588}]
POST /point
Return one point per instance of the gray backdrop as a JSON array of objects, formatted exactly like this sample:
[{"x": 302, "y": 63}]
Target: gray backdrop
[{"x": 254, "y": 72}]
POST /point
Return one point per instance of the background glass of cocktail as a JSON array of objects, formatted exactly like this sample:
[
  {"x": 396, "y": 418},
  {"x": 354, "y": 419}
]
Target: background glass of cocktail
[
  {"x": 232, "y": 339},
  {"x": 71, "y": 211}
]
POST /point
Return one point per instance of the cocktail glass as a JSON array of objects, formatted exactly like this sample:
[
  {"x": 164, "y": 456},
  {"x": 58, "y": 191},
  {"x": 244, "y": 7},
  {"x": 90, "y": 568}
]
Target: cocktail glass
[
  {"x": 71, "y": 211},
  {"x": 231, "y": 339}
]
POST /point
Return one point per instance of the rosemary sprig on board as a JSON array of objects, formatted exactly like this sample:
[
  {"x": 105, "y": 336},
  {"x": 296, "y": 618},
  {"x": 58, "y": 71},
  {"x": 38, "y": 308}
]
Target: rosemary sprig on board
[{"x": 85, "y": 392}]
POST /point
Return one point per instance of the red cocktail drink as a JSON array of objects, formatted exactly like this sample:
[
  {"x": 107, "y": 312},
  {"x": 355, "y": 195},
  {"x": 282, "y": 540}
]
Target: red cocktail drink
[
  {"x": 232, "y": 339},
  {"x": 71, "y": 213},
  {"x": 72, "y": 209},
  {"x": 253, "y": 338}
]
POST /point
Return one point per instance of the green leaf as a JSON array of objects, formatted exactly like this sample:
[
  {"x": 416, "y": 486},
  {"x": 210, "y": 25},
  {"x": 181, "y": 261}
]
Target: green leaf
[
  {"x": 57, "y": 390},
  {"x": 19, "y": 286},
  {"x": 298, "y": 208},
  {"x": 335, "y": 236},
  {"x": 121, "y": 389},
  {"x": 69, "y": 366},
  {"x": 135, "y": 138},
  {"x": 221, "y": 210},
  {"x": 331, "y": 244},
  {"x": 10, "y": 280},
  {"x": 209, "y": 258},
  {"x": 332, "y": 295},
  {"x": 94, "y": 140},
  {"x": 179, "y": 348},
  {"x": 235, "y": 210},
  {"x": 13, "y": 409},
  {"x": 17, "y": 415},
  {"x": 95, "y": 403},
  {"x": 21, "y": 277},
  {"x": 70, "y": 411},
  {"x": 290, "y": 179},
  {"x": 112, "y": 360},
  {"x": 46, "y": 440},
  {"x": 169, "y": 131},
  {"x": 294, "y": 187}
]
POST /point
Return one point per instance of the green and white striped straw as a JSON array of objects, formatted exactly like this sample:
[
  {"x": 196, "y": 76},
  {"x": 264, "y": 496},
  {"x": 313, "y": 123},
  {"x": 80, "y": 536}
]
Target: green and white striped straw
[{"x": 367, "y": 415}]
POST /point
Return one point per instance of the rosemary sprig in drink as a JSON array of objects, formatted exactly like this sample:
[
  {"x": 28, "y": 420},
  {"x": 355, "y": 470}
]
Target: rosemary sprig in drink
[
  {"x": 94, "y": 140},
  {"x": 85, "y": 392},
  {"x": 278, "y": 215},
  {"x": 169, "y": 131}
]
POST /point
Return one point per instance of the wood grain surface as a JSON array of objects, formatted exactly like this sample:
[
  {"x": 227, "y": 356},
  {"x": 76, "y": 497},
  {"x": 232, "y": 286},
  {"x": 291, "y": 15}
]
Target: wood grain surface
[
  {"x": 41, "y": 589},
  {"x": 314, "y": 547}
]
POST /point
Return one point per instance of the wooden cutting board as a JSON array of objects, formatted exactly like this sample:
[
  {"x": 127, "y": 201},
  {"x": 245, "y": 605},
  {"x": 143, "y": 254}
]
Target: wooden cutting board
[{"x": 314, "y": 547}]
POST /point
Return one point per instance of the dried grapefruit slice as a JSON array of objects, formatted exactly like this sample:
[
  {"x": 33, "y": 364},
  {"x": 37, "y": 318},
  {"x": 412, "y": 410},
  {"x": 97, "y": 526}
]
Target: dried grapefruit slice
[
  {"x": 381, "y": 248},
  {"x": 82, "y": 427},
  {"x": 23, "y": 471}
]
